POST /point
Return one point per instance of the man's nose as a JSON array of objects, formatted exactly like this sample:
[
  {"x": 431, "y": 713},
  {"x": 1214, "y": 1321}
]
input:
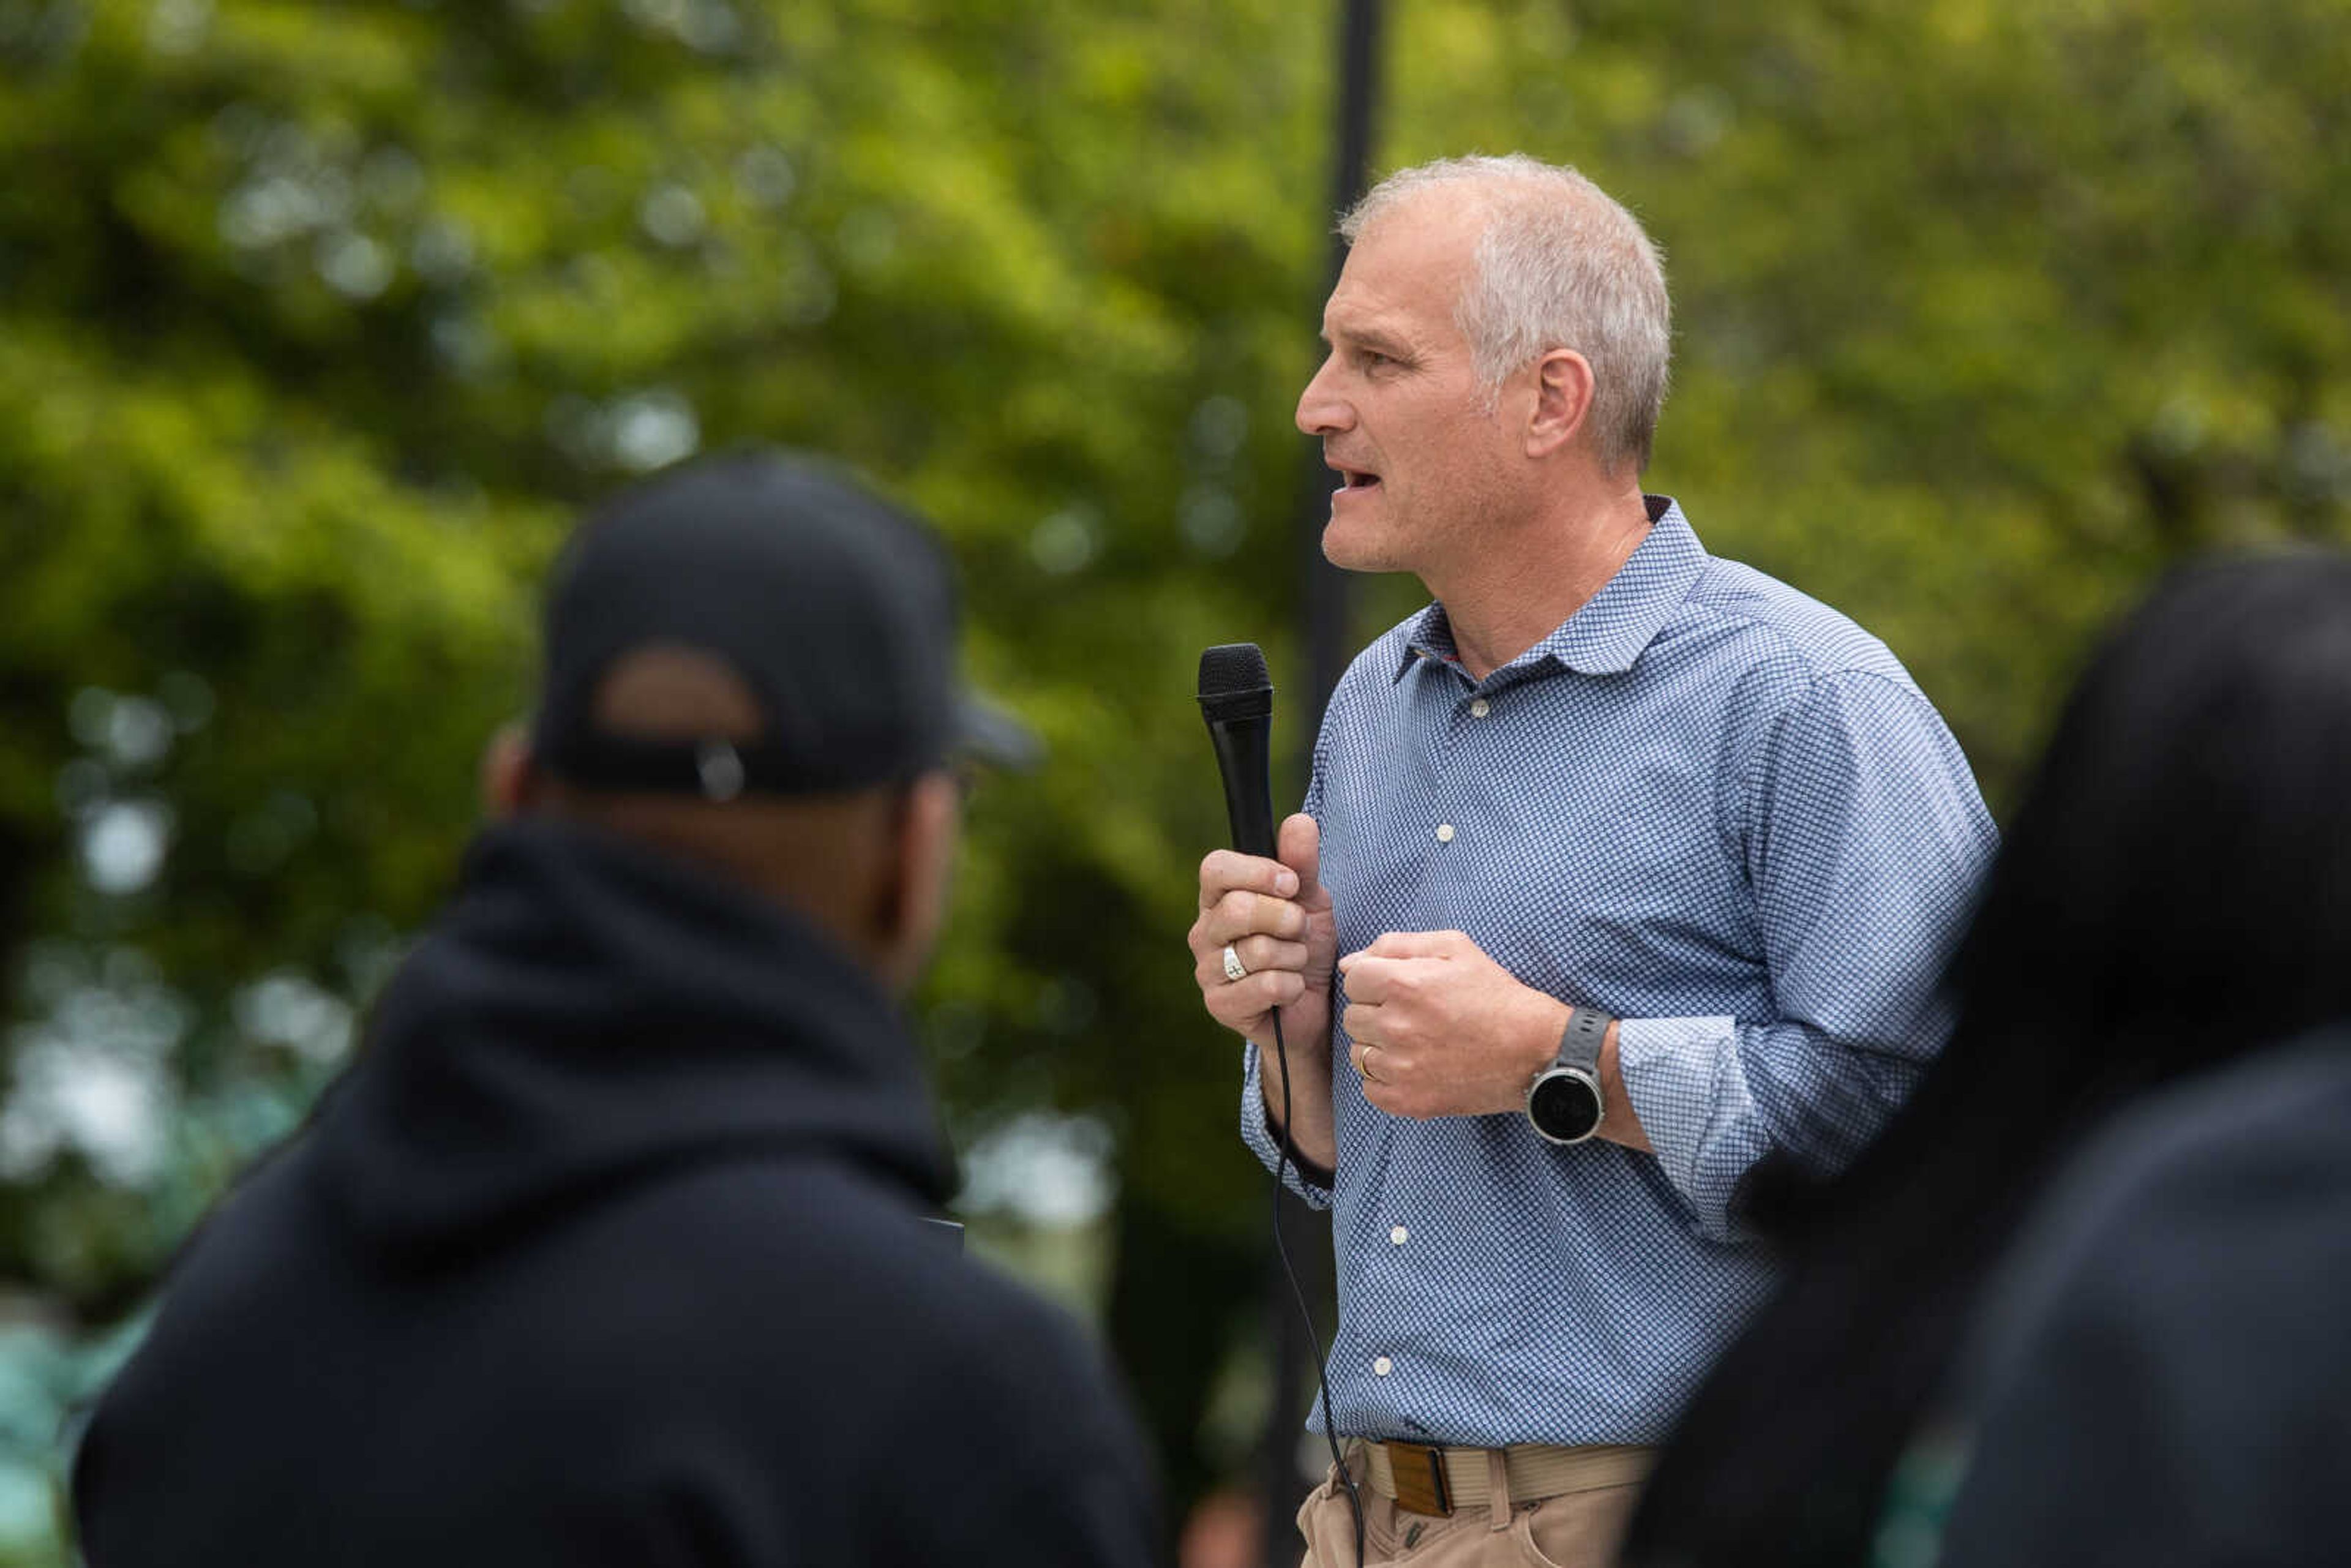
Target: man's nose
[{"x": 1320, "y": 409}]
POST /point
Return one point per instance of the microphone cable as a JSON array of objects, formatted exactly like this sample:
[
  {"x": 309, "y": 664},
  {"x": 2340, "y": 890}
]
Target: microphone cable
[{"x": 1281, "y": 1161}]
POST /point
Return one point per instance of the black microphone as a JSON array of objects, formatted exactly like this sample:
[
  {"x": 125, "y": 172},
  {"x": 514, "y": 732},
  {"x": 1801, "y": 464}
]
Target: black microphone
[{"x": 1236, "y": 699}]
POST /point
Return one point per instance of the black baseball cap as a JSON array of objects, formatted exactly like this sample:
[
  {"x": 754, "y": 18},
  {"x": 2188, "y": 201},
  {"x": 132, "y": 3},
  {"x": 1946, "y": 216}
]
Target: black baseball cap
[{"x": 837, "y": 609}]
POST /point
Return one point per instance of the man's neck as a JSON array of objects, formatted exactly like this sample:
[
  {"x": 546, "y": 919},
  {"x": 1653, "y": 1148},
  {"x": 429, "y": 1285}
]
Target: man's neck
[{"x": 1527, "y": 583}]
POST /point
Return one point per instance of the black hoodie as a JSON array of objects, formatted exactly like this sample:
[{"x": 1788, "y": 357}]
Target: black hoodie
[{"x": 609, "y": 1249}]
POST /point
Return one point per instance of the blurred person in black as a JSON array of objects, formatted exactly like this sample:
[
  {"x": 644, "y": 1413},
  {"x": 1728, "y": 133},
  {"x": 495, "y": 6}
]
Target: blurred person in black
[
  {"x": 2167, "y": 1371},
  {"x": 612, "y": 1245},
  {"x": 2174, "y": 893}
]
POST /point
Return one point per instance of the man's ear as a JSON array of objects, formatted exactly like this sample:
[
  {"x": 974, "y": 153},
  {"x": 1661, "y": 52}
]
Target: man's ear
[
  {"x": 1563, "y": 402},
  {"x": 510, "y": 776},
  {"x": 921, "y": 857}
]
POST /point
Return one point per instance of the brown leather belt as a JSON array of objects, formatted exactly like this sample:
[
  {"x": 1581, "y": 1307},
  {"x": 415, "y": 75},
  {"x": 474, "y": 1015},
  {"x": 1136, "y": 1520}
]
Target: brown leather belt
[{"x": 1434, "y": 1480}]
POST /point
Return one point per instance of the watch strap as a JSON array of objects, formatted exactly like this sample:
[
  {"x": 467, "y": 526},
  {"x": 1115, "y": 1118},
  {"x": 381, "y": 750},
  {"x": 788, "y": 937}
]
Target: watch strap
[{"x": 1580, "y": 1042}]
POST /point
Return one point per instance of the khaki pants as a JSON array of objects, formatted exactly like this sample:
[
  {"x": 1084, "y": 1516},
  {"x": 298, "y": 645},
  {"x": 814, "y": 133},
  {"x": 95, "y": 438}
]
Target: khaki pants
[{"x": 1574, "y": 1530}]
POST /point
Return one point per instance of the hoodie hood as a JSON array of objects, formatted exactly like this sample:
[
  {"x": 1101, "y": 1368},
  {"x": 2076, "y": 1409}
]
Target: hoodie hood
[{"x": 590, "y": 1013}]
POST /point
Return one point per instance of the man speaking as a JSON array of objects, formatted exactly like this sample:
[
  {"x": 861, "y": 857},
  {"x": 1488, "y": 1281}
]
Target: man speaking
[
  {"x": 1621, "y": 866},
  {"x": 611, "y": 1246}
]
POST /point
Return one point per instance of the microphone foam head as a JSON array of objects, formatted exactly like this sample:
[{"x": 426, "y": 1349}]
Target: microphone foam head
[{"x": 1233, "y": 667}]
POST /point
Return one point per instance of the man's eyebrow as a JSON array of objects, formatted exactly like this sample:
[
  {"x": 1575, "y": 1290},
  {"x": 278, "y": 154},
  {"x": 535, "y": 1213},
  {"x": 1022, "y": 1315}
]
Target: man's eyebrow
[{"x": 1371, "y": 337}]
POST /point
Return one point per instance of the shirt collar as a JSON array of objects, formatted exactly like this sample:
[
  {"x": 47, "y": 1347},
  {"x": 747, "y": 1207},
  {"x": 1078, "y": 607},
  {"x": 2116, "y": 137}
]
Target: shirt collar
[{"x": 1609, "y": 632}]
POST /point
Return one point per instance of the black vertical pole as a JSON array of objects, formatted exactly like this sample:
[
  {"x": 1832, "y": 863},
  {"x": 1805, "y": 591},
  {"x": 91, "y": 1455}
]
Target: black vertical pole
[
  {"x": 1306, "y": 1234},
  {"x": 1326, "y": 585}
]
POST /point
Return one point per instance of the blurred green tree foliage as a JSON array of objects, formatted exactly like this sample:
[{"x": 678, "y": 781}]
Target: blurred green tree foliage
[{"x": 318, "y": 321}]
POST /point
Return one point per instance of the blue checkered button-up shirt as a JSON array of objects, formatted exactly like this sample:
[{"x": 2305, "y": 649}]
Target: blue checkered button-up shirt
[{"x": 1710, "y": 806}]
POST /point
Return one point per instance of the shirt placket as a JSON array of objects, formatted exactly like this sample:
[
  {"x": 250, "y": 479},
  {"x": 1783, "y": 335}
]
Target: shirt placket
[{"x": 1457, "y": 747}]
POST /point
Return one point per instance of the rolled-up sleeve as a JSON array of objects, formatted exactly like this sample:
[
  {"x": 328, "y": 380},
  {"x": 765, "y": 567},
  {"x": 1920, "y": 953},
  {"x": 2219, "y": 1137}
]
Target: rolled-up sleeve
[
  {"x": 1259, "y": 1137},
  {"x": 1864, "y": 840}
]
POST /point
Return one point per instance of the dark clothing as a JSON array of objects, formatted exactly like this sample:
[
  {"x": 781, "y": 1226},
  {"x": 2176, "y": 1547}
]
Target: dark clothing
[
  {"x": 2167, "y": 1367},
  {"x": 1781, "y": 1458},
  {"x": 609, "y": 1249}
]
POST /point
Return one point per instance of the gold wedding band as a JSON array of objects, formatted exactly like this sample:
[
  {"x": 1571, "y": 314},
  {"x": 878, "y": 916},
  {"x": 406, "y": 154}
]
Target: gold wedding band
[{"x": 1233, "y": 968}]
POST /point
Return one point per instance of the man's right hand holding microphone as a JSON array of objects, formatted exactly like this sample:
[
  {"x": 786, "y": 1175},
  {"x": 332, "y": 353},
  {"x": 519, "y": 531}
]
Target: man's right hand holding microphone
[{"x": 1264, "y": 939}]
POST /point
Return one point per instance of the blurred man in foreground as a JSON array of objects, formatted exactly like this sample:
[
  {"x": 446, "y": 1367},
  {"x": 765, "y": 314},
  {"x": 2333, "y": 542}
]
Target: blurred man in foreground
[
  {"x": 1622, "y": 867},
  {"x": 611, "y": 1246}
]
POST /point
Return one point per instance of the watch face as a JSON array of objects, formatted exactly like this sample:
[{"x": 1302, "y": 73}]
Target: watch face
[{"x": 1564, "y": 1106}]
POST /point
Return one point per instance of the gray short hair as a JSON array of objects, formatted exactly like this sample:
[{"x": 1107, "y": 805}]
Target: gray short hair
[{"x": 1560, "y": 264}]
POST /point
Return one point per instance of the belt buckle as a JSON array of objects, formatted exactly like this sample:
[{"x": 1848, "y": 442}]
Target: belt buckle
[{"x": 1420, "y": 1484}]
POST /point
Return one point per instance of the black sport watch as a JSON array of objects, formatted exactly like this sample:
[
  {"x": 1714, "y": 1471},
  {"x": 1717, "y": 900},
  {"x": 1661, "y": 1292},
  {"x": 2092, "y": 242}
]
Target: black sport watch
[{"x": 1563, "y": 1102}]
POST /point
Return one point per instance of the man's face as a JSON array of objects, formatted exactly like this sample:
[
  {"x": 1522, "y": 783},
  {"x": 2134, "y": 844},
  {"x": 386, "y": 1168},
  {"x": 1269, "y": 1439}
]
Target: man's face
[{"x": 1398, "y": 402}]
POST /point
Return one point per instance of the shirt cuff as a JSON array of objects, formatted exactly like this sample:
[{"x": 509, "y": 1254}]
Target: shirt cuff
[
  {"x": 1683, "y": 1077},
  {"x": 1258, "y": 1137}
]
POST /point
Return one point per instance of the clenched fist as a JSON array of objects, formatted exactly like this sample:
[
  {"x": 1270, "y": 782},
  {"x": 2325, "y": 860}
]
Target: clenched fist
[{"x": 1441, "y": 1030}]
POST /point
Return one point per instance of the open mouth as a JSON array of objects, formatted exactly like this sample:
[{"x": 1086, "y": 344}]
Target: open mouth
[{"x": 1356, "y": 479}]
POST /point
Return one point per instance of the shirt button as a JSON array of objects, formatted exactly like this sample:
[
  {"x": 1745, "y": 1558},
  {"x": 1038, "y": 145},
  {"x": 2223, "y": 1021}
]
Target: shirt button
[
  {"x": 1382, "y": 1366},
  {"x": 1443, "y": 832},
  {"x": 1480, "y": 708},
  {"x": 1399, "y": 1236}
]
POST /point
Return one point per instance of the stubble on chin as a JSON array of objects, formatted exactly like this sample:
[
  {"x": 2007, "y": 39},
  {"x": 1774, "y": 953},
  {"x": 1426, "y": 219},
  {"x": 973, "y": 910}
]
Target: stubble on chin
[
  {"x": 1349, "y": 551},
  {"x": 1362, "y": 544}
]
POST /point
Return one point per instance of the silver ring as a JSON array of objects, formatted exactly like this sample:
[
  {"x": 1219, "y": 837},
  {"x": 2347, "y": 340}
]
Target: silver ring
[{"x": 1233, "y": 968}]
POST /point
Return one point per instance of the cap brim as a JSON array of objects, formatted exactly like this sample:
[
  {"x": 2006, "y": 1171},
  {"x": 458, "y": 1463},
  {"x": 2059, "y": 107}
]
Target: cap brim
[{"x": 986, "y": 732}]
